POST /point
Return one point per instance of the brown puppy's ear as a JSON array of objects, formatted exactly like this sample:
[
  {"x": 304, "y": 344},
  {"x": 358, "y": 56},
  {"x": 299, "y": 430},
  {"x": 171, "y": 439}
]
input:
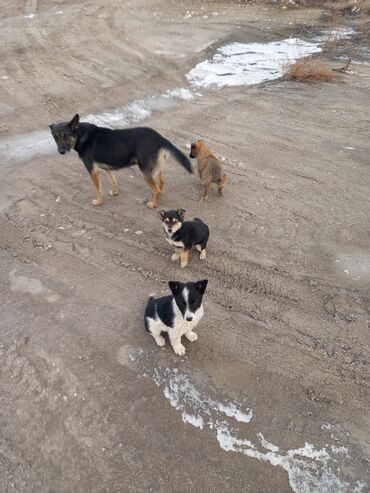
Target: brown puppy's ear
[
  {"x": 75, "y": 122},
  {"x": 201, "y": 285},
  {"x": 174, "y": 287},
  {"x": 161, "y": 214},
  {"x": 181, "y": 213}
]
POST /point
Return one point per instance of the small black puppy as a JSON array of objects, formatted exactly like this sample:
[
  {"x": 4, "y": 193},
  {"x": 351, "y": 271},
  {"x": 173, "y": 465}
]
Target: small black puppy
[
  {"x": 184, "y": 235},
  {"x": 102, "y": 148},
  {"x": 177, "y": 315}
]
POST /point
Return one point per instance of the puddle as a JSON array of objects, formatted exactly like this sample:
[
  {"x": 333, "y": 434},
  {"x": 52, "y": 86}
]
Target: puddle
[
  {"x": 243, "y": 64},
  {"x": 356, "y": 267},
  {"x": 25, "y": 146},
  {"x": 28, "y": 285},
  {"x": 309, "y": 469}
]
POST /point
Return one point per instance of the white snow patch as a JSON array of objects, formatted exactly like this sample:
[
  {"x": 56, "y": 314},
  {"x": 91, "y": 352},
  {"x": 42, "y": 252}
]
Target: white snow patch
[
  {"x": 233, "y": 411},
  {"x": 267, "y": 445},
  {"x": 140, "y": 109},
  {"x": 25, "y": 146},
  {"x": 305, "y": 476},
  {"x": 310, "y": 470},
  {"x": 30, "y": 16},
  {"x": 341, "y": 33},
  {"x": 239, "y": 64},
  {"x": 131, "y": 113},
  {"x": 184, "y": 397},
  {"x": 196, "y": 421},
  {"x": 339, "y": 450}
]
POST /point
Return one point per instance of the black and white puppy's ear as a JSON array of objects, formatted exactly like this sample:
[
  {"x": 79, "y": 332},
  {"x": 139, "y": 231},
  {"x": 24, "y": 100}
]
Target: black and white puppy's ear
[
  {"x": 181, "y": 213},
  {"x": 75, "y": 122},
  {"x": 201, "y": 286},
  {"x": 174, "y": 287},
  {"x": 161, "y": 214}
]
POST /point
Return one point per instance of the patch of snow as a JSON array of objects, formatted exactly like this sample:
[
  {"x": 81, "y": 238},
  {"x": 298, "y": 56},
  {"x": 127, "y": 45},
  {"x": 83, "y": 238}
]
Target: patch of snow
[
  {"x": 196, "y": 421},
  {"x": 339, "y": 450},
  {"x": 342, "y": 33},
  {"x": 310, "y": 470},
  {"x": 183, "y": 395},
  {"x": 25, "y": 146},
  {"x": 239, "y": 64},
  {"x": 267, "y": 445}
]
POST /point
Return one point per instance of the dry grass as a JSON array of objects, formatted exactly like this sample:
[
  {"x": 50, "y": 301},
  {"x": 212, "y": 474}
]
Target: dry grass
[
  {"x": 349, "y": 5},
  {"x": 343, "y": 6},
  {"x": 308, "y": 70}
]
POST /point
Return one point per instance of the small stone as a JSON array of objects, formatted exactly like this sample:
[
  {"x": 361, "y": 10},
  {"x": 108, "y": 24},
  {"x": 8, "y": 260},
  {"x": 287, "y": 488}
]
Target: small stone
[{"x": 330, "y": 349}]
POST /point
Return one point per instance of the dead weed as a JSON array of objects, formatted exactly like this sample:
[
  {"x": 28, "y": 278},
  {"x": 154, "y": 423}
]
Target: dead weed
[{"x": 308, "y": 70}]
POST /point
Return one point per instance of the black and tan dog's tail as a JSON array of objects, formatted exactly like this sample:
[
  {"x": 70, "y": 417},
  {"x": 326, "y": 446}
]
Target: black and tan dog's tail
[{"x": 177, "y": 154}]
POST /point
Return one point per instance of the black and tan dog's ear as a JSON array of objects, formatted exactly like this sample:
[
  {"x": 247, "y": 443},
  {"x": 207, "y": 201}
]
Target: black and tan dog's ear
[
  {"x": 201, "y": 285},
  {"x": 174, "y": 287},
  {"x": 161, "y": 214},
  {"x": 75, "y": 122},
  {"x": 181, "y": 213}
]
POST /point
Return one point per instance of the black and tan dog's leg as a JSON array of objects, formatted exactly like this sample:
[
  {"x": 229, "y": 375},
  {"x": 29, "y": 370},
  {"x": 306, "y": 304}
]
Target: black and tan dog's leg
[
  {"x": 161, "y": 181},
  {"x": 177, "y": 254},
  {"x": 113, "y": 183},
  {"x": 156, "y": 192},
  {"x": 96, "y": 181},
  {"x": 184, "y": 258}
]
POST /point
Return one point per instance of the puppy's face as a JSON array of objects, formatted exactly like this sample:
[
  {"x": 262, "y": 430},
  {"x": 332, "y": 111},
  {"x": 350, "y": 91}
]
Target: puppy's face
[
  {"x": 65, "y": 134},
  {"x": 172, "y": 220},
  {"x": 195, "y": 147},
  {"x": 188, "y": 297}
]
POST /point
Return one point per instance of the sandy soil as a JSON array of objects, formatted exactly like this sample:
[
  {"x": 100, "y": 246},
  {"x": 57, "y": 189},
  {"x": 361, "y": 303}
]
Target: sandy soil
[{"x": 83, "y": 388}]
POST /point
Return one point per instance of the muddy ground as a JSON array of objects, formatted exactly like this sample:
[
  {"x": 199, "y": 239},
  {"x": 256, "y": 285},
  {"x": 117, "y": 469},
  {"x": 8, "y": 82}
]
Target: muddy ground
[{"x": 287, "y": 313}]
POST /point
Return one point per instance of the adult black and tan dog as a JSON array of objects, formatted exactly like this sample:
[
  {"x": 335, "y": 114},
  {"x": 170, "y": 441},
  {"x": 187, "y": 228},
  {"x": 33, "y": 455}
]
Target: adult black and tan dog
[{"x": 103, "y": 148}]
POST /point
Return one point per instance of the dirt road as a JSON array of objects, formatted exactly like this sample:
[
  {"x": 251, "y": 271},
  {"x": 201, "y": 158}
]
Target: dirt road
[{"x": 274, "y": 395}]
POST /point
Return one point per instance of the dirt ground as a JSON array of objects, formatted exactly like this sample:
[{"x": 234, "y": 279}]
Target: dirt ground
[{"x": 287, "y": 312}]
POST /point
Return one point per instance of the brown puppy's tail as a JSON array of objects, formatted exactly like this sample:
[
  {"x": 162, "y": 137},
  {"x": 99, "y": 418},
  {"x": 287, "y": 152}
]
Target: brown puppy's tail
[{"x": 176, "y": 154}]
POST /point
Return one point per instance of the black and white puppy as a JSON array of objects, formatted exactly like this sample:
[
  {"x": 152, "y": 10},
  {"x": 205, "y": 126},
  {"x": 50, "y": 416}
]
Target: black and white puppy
[
  {"x": 184, "y": 235},
  {"x": 177, "y": 314}
]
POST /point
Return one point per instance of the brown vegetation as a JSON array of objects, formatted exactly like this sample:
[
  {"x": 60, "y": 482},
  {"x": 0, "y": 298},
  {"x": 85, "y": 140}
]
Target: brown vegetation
[{"x": 308, "y": 70}]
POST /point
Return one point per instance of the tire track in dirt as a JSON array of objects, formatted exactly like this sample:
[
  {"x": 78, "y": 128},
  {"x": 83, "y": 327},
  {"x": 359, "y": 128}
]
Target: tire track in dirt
[{"x": 265, "y": 297}]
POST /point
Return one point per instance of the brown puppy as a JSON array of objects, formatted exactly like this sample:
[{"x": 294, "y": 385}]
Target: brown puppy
[{"x": 209, "y": 168}]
